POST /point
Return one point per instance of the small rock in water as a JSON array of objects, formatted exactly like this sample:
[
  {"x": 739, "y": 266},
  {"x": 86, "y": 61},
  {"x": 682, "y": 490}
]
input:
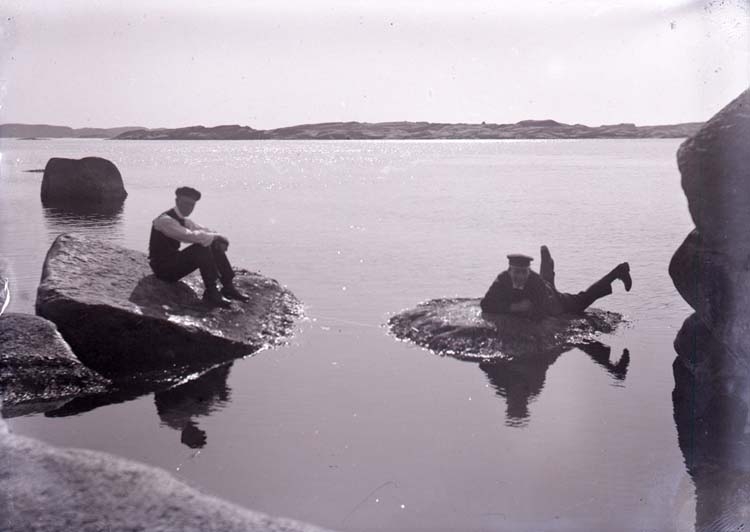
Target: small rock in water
[{"x": 457, "y": 327}]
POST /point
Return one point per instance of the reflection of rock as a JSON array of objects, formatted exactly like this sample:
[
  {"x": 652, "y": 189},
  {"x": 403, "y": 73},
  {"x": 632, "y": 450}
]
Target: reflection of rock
[
  {"x": 48, "y": 489},
  {"x": 458, "y": 328},
  {"x": 119, "y": 319},
  {"x": 83, "y": 181},
  {"x": 712, "y": 426},
  {"x": 178, "y": 407},
  {"x": 711, "y": 271},
  {"x": 520, "y": 380},
  {"x": 37, "y": 368},
  {"x": 77, "y": 215}
]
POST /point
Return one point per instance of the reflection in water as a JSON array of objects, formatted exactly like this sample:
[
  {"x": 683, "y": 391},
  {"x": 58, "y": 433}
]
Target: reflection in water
[
  {"x": 87, "y": 219},
  {"x": 179, "y": 406},
  {"x": 520, "y": 380},
  {"x": 712, "y": 389}
]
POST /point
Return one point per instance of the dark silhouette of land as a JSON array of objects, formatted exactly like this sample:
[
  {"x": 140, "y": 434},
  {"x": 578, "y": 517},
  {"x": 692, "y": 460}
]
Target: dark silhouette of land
[{"x": 525, "y": 129}]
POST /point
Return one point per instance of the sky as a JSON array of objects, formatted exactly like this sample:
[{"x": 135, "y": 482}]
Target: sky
[{"x": 267, "y": 64}]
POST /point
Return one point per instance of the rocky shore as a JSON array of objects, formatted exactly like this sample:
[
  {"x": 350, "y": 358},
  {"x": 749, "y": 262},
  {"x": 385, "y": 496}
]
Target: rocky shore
[
  {"x": 109, "y": 307},
  {"x": 711, "y": 272},
  {"x": 46, "y": 489}
]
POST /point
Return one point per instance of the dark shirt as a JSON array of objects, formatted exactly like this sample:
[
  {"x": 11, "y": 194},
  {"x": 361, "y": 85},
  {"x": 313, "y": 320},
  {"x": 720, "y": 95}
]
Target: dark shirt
[
  {"x": 501, "y": 295},
  {"x": 160, "y": 245}
]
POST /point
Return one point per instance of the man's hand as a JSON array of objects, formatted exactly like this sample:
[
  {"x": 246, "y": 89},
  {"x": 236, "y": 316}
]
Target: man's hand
[
  {"x": 522, "y": 307},
  {"x": 221, "y": 243}
]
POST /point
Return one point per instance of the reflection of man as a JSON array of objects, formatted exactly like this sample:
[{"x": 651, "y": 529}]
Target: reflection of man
[
  {"x": 180, "y": 406},
  {"x": 520, "y": 381},
  {"x": 518, "y": 290},
  {"x": 207, "y": 252}
]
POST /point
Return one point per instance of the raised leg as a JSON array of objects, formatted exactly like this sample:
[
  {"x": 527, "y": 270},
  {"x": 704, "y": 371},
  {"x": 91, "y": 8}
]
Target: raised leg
[{"x": 547, "y": 267}]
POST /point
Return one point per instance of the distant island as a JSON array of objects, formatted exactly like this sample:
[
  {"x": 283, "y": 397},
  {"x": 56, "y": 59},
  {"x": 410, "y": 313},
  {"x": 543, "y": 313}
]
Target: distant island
[
  {"x": 526, "y": 129},
  {"x": 44, "y": 131}
]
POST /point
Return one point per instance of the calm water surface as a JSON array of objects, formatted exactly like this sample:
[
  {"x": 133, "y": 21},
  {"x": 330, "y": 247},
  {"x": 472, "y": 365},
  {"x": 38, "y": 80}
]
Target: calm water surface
[{"x": 350, "y": 429}]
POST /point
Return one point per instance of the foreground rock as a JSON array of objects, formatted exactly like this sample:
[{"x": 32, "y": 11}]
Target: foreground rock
[
  {"x": 119, "y": 319},
  {"x": 710, "y": 268},
  {"x": 38, "y": 370},
  {"x": 711, "y": 272},
  {"x": 57, "y": 490},
  {"x": 81, "y": 181},
  {"x": 457, "y": 327},
  {"x": 715, "y": 169}
]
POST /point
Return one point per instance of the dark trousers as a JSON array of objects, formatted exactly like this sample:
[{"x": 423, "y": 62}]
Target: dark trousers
[
  {"x": 212, "y": 263},
  {"x": 577, "y": 303}
]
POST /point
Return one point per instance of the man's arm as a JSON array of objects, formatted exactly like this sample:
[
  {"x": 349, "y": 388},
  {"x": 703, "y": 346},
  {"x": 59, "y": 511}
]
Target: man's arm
[
  {"x": 524, "y": 306},
  {"x": 172, "y": 228},
  {"x": 195, "y": 226},
  {"x": 498, "y": 298}
]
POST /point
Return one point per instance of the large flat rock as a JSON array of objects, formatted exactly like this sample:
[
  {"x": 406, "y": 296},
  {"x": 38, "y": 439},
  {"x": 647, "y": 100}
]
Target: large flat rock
[
  {"x": 119, "y": 319},
  {"x": 46, "y": 489},
  {"x": 38, "y": 370},
  {"x": 457, "y": 327}
]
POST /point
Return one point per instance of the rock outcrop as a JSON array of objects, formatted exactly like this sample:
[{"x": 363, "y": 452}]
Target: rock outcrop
[
  {"x": 91, "y": 180},
  {"x": 457, "y": 327},
  {"x": 46, "y": 489},
  {"x": 120, "y": 320},
  {"x": 711, "y": 270},
  {"x": 38, "y": 370}
]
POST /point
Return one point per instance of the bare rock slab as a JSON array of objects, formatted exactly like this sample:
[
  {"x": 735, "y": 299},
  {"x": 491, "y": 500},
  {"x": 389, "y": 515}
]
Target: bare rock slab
[
  {"x": 38, "y": 370},
  {"x": 120, "y": 320},
  {"x": 457, "y": 327},
  {"x": 81, "y": 181},
  {"x": 47, "y": 489}
]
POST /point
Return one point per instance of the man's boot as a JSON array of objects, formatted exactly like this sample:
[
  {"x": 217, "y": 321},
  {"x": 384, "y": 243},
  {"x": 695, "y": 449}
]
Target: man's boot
[
  {"x": 212, "y": 297},
  {"x": 622, "y": 272},
  {"x": 230, "y": 291},
  {"x": 547, "y": 267}
]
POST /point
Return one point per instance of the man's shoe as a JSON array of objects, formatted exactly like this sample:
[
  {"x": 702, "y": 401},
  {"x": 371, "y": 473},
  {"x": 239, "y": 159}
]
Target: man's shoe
[
  {"x": 229, "y": 291},
  {"x": 215, "y": 299},
  {"x": 547, "y": 267},
  {"x": 623, "y": 274}
]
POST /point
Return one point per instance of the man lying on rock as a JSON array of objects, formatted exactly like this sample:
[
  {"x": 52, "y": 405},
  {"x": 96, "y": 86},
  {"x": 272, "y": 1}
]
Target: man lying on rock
[
  {"x": 518, "y": 290},
  {"x": 207, "y": 252}
]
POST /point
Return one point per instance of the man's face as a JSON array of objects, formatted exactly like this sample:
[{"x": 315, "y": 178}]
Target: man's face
[
  {"x": 519, "y": 275},
  {"x": 186, "y": 204}
]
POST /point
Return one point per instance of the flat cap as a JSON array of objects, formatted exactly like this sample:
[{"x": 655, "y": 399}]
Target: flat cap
[
  {"x": 516, "y": 259},
  {"x": 189, "y": 192}
]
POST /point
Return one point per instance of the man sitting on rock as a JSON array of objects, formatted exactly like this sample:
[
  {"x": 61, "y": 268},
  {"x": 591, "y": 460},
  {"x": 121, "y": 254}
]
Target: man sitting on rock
[
  {"x": 518, "y": 290},
  {"x": 207, "y": 252}
]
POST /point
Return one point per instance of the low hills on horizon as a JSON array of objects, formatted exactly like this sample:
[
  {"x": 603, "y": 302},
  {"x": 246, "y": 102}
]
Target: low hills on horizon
[{"x": 525, "y": 129}]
